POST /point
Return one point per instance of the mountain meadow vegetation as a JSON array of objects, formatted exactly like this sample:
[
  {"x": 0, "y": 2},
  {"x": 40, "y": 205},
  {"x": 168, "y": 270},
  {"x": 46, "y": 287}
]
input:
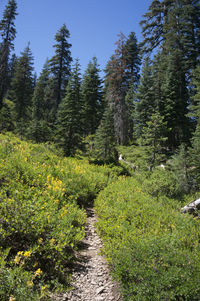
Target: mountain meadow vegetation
[{"x": 127, "y": 144}]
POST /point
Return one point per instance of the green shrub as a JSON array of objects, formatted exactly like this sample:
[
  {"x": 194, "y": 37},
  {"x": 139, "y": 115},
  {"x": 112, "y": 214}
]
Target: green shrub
[
  {"x": 16, "y": 284},
  {"x": 153, "y": 249},
  {"x": 161, "y": 182}
]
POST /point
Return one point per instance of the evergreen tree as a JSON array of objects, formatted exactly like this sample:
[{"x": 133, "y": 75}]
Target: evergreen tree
[
  {"x": 92, "y": 97},
  {"x": 6, "y": 116},
  {"x": 40, "y": 130},
  {"x": 152, "y": 27},
  {"x": 60, "y": 63},
  {"x": 105, "y": 140},
  {"x": 121, "y": 82},
  {"x": 69, "y": 117},
  {"x": 195, "y": 159},
  {"x": 173, "y": 24},
  {"x": 159, "y": 67},
  {"x": 130, "y": 108},
  {"x": 195, "y": 141},
  {"x": 180, "y": 164},
  {"x": 11, "y": 70},
  {"x": 116, "y": 90},
  {"x": 133, "y": 62},
  {"x": 153, "y": 139},
  {"x": 50, "y": 105},
  {"x": 145, "y": 105},
  {"x": 8, "y": 33},
  {"x": 22, "y": 90},
  {"x": 195, "y": 105},
  {"x": 174, "y": 105}
]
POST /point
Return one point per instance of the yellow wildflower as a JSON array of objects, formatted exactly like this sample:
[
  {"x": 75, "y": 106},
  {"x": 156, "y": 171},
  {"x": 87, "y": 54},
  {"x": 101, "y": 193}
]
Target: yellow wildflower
[
  {"x": 12, "y": 298},
  {"x": 27, "y": 254},
  {"x": 64, "y": 210},
  {"x": 38, "y": 272},
  {"x": 40, "y": 240},
  {"x": 43, "y": 289},
  {"x": 17, "y": 259}
]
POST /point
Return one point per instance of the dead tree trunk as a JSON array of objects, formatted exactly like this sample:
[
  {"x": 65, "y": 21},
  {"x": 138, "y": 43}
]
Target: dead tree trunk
[{"x": 191, "y": 207}]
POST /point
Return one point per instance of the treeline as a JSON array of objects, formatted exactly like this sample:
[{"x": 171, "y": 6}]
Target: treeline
[
  {"x": 157, "y": 108},
  {"x": 60, "y": 105}
]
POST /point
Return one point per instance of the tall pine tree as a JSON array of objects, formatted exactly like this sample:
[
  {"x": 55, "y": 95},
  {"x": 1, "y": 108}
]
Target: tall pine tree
[
  {"x": 145, "y": 105},
  {"x": 8, "y": 33},
  {"x": 40, "y": 129},
  {"x": 174, "y": 27},
  {"x": 195, "y": 105},
  {"x": 92, "y": 97},
  {"x": 121, "y": 82},
  {"x": 116, "y": 88},
  {"x": 173, "y": 24},
  {"x": 175, "y": 100},
  {"x": 22, "y": 90},
  {"x": 69, "y": 117},
  {"x": 133, "y": 62},
  {"x": 153, "y": 139},
  {"x": 105, "y": 139},
  {"x": 195, "y": 141},
  {"x": 60, "y": 63}
]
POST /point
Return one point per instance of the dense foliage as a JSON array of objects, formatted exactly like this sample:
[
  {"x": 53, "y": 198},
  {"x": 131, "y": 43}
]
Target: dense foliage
[
  {"x": 154, "y": 251},
  {"x": 8, "y": 33},
  {"x": 40, "y": 221}
]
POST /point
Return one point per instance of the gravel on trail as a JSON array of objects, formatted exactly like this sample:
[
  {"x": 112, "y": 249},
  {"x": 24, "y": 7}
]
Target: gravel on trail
[{"x": 91, "y": 279}]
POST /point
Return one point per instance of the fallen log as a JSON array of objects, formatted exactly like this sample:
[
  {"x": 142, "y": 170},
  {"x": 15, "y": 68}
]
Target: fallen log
[{"x": 191, "y": 207}]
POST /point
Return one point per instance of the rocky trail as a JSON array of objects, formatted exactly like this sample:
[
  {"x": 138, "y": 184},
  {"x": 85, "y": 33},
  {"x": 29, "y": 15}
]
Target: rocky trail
[{"x": 91, "y": 280}]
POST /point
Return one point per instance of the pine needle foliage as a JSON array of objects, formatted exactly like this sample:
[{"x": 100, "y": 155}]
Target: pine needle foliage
[{"x": 69, "y": 117}]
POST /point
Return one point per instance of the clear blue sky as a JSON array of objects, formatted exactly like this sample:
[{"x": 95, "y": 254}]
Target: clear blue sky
[{"x": 93, "y": 26}]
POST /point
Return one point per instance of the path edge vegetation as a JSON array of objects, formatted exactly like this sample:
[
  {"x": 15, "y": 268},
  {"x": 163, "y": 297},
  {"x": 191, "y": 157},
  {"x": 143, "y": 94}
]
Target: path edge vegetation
[{"x": 42, "y": 217}]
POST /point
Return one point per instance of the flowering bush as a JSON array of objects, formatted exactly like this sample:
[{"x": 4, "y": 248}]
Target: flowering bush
[{"x": 41, "y": 222}]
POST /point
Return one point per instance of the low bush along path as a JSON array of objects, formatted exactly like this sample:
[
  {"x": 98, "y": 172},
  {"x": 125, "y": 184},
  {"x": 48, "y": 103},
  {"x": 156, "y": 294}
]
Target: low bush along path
[{"x": 91, "y": 280}]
